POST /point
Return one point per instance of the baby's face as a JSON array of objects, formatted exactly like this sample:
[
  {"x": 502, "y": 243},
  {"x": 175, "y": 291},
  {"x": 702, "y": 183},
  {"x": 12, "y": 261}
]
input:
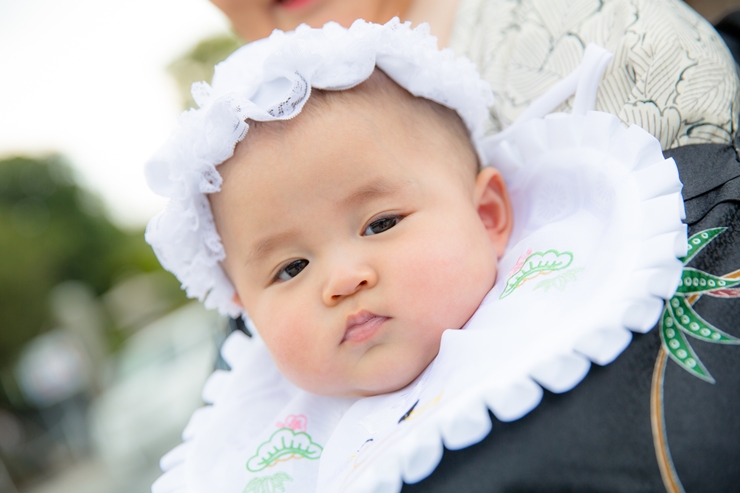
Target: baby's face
[{"x": 354, "y": 239}]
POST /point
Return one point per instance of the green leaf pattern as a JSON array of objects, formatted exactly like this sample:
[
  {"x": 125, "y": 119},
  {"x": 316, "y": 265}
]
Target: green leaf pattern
[
  {"x": 691, "y": 323},
  {"x": 559, "y": 282},
  {"x": 680, "y": 318},
  {"x": 284, "y": 444},
  {"x": 536, "y": 264},
  {"x": 696, "y": 281},
  {"x": 679, "y": 348},
  {"x": 698, "y": 241},
  {"x": 268, "y": 484}
]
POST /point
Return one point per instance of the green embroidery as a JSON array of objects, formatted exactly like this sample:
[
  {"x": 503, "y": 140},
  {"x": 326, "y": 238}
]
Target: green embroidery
[
  {"x": 696, "y": 281},
  {"x": 691, "y": 323},
  {"x": 680, "y": 318},
  {"x": 679, "y": 348},
  {"x": 698, "y": 241},
  {"x": 284, "y": 444},
  {"x": 536, "y": 264},
  {"x": 559, "y": 282},
  {"x": 268, "y": 484}
]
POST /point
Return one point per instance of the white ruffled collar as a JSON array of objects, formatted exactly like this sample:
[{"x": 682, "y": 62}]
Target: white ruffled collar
[{"x": 597, "y": 233}]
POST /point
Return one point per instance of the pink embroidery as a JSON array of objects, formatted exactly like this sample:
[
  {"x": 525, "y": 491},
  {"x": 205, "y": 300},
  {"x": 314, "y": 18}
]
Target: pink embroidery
[
  {"x": 520, "y": 261},
  {"x": 294, "y": 422}
]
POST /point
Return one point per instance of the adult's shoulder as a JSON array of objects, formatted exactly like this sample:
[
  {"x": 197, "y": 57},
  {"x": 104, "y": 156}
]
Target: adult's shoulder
[{"x": 672, "y": 74}]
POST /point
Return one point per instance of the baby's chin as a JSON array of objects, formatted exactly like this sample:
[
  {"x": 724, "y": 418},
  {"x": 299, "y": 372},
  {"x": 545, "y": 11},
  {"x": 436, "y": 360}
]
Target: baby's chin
[
  {"x": 369, "y": 389},
  {"x": 392, "y": 373}
]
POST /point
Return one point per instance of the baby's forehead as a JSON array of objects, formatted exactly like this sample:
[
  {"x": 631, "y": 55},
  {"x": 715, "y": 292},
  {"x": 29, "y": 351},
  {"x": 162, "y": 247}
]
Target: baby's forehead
[
  {"x": 379, "y": 130},
  {"x": 378, "y": 98}
]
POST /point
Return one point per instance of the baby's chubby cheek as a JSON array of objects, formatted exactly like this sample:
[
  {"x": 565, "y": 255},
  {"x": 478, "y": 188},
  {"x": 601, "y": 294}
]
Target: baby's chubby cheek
[
  {"x": 306, "y": 348},
  {"x": 446, "y": 282},
  {"x": 300, "y": 353}
]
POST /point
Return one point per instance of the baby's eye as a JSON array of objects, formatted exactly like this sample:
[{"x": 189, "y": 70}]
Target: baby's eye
[
  {"x": 291, "y": 270},
  {"x": 382, "y": 224}
]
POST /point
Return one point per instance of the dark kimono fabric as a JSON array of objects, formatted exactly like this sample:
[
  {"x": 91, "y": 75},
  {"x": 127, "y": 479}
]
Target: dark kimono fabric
[{"x": 598, "y": 437}]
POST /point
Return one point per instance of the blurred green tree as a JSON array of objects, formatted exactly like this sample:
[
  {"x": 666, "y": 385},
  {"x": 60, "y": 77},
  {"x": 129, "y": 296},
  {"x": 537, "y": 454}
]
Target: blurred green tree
[
  {"x": 52, "y": 230},
  {"x": 197, "y": 64}
]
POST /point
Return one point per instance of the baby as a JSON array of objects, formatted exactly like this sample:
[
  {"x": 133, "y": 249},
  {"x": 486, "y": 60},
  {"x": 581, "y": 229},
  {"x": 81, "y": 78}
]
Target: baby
[
  {"x": 335, "y": 188},
  {"x": 355, "y": 229},
  {"x": 358, "y": 232}
]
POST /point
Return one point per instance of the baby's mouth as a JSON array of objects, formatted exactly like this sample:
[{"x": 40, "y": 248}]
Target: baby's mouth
[{"x": 362, "y": 326}]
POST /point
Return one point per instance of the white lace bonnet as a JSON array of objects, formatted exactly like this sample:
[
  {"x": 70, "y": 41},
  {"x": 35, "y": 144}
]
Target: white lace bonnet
[{"x": 271, "y": 79}]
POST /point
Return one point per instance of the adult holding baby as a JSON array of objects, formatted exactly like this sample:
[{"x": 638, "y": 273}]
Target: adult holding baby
[
  {"x": 672, "y": 73},
  {"x": 673, "y": 76}
]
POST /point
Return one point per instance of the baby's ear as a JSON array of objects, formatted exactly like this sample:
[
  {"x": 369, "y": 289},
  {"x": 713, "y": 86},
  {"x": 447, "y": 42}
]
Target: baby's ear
[
  {"x": 494, "y": 207},
  {"x": 237, "y": 300}
]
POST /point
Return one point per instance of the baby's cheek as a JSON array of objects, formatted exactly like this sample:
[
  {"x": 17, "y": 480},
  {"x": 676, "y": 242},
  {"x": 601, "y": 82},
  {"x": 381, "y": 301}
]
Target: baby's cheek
[
  {"x": 449, "y": 277},
  {"x": 289, "y": 342}
]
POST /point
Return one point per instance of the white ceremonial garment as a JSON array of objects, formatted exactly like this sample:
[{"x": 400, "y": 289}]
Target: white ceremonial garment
[{"x": 597, "y": 233}]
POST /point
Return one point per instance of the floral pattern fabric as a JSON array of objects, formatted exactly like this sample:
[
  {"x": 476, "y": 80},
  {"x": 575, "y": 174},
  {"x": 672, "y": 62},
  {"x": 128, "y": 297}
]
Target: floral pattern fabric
[{"x": 672, "y": 74}]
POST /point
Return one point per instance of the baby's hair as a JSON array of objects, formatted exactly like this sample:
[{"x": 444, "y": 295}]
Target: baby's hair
[{"x": 379, "y": 89}]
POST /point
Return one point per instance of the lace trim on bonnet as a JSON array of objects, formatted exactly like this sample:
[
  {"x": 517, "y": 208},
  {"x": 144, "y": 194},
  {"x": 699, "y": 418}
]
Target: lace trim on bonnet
[{"x": 269, "y": 80}]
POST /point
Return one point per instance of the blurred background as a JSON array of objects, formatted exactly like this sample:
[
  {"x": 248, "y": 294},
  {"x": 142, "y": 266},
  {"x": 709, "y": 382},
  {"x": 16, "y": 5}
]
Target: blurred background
[{"x": 102, "y": 358}]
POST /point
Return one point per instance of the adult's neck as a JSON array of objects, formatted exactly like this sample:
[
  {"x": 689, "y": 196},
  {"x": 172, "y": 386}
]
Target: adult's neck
[{"x": 440, "y": 14}]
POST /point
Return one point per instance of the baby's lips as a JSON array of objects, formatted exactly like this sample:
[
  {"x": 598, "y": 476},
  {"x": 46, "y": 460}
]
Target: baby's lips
[
  {"x": 362, "y": 326},
  {"x": 359, "y": 318}
]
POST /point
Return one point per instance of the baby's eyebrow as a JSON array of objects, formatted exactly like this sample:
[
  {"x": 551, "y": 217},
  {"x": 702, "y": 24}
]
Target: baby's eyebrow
[
  {"x": 266, "y": 245},
  {"x": 375, "y": 188}
]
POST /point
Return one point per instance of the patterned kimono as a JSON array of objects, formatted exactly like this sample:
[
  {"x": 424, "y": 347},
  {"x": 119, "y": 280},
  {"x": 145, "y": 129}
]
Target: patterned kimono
[{"x": 672, "y": 74}]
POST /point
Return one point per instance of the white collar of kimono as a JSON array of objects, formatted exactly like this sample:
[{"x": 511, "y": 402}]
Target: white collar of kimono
[{"x": 598, "y": 228}]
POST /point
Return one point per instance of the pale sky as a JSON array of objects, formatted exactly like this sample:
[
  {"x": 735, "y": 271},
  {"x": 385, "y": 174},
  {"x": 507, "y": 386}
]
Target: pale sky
[{"x": 87, "y": 78}]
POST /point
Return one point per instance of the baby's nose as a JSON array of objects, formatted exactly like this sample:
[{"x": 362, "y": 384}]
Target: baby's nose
[{"x": 346, "y": 281}]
